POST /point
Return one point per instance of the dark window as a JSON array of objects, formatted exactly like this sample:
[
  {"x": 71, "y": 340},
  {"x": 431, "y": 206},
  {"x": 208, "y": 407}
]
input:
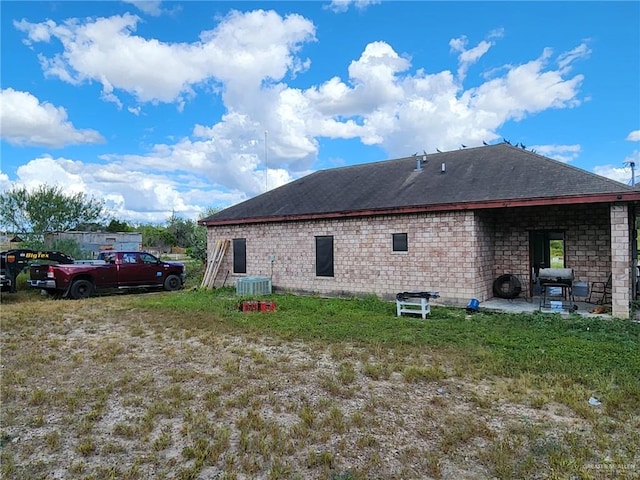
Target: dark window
[
  {"x": 400, "y": 243},
  {"x": 148, "y": 258},
  {"x": 239, "y": 255},
  {"x": 324, "y": 256}
]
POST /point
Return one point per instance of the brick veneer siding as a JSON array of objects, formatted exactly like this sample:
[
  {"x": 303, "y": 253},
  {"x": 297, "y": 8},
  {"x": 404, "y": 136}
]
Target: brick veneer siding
[
  {"x": 621, "y": 261},
  {"x": 485, "y": 256},
  {"x": 441, "y": 255},
  {"x": 459, "y": 253}
]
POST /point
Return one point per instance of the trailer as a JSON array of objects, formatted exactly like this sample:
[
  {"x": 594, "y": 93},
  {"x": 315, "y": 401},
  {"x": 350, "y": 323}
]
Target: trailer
[{"x": 12, "y": 262}]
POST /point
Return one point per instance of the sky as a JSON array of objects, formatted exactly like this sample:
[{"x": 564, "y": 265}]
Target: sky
[{"x": 176, "y": 108}]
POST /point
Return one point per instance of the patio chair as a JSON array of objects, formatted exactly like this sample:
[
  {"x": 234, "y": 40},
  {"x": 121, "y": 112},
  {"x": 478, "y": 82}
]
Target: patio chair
[{"x": 601, "y": 291}]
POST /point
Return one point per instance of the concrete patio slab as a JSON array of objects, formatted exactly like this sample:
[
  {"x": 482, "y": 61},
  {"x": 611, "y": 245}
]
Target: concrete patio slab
[{"x": 532, "y": 304}]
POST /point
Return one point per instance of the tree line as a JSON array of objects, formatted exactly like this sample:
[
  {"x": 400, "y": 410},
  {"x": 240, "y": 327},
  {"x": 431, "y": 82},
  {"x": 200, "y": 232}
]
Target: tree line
[{"x": 31, "y": 214}]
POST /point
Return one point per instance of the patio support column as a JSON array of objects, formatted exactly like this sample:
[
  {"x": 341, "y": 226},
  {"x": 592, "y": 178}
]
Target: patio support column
[{"x": 620, "y": 261}]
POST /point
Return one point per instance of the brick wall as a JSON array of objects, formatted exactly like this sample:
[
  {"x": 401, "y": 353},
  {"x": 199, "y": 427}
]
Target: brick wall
[
  {"x": 459, "y": 254},
  {"x": 440, "y": 255},
  {"x": 620, "y": 261}
]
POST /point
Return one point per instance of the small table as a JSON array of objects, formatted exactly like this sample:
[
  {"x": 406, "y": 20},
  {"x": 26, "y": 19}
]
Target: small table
[{"x": 415, "y": 303}]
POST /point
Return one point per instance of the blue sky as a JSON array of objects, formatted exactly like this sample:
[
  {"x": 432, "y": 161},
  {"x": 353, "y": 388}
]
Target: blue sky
[{"x": 160, "y": 107}]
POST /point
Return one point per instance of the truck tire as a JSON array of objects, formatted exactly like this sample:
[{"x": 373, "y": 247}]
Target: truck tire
[
  {"x": 172, "y": 282},
  {"x": 81, "y": 289}
]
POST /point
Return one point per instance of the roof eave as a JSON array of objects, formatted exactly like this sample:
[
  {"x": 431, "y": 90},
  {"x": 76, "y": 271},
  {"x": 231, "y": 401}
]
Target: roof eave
[{"x": 626, "y": 196}]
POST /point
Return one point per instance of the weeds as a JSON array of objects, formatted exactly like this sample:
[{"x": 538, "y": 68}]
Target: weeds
[{"x": 181, "y": 385}]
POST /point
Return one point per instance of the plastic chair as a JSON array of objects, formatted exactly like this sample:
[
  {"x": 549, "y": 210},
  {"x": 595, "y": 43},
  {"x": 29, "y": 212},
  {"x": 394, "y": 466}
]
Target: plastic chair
[{"x": 601, "y": 289}]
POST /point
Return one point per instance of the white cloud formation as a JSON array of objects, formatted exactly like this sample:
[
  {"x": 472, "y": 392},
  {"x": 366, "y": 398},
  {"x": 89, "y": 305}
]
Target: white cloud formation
[
  {"x": 129, "y": 193},
  {"x": 630, "y": 166},
  {"x": 5, "y": 183},
  {"x": 248, "y": 60},
  {"x": 634, "y": 136},
  {"x": 623, "y": 174},
  {"x": 383, "y": 105},
  {"x": 242, "y": 51},
  {"x": 27, "y": 121},
  {"x": 567, "y": 59},
  {"x": 562, "y": 153},
  {"x": 150, "y": 7},
  {"x": 341, "y": 6},
  {"x": 468, "y": 57}
]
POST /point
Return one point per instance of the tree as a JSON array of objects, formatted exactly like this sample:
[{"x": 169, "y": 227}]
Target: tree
[
  {"x": 198, "y": 247},
  {"x": 118, "y": 226},
  {"x": 47, "y": 209},
  {"x": 182, "y": 230},
  {"x": 156, "y": 237},
  {"x": 68, "y": 246}
]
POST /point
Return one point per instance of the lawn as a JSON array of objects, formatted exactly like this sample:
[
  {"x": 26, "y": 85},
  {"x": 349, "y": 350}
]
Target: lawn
[{"x": 183, "y": 385}]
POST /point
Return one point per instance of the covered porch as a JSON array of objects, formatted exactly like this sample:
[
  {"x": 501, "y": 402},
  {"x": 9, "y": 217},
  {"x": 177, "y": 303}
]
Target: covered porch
[{"x": 598, "y": 241}]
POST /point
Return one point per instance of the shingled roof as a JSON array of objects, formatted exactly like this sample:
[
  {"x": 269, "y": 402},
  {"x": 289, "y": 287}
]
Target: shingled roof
[{"x": 484, "y": 177}]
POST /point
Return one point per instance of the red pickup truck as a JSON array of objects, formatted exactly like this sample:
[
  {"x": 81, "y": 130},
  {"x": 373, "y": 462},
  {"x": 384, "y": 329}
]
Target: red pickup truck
[{"x": 111, "y": 270}]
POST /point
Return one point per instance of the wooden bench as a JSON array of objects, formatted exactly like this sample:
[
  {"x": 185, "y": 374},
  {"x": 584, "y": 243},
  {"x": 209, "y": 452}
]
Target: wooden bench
[{"x": 414, "y": 303}]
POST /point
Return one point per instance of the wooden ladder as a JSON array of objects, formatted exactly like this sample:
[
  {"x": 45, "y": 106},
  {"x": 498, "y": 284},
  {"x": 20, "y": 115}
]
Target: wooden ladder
[{"x": 214, "y": 259}]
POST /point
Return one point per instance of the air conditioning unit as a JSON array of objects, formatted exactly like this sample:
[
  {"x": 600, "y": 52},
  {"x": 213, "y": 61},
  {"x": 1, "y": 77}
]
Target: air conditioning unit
[{"x": 253, "y": 286}]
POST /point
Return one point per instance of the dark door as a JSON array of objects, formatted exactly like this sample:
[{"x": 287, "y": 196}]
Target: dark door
[{"x": 546, "y": 250}]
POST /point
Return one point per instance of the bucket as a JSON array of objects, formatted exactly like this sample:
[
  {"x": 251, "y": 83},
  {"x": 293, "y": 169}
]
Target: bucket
[{"x": 473, "y": 305}]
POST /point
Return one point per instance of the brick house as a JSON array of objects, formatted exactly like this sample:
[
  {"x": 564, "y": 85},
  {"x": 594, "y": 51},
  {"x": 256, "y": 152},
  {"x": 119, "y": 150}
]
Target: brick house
[{"x": 451, "y": 222}]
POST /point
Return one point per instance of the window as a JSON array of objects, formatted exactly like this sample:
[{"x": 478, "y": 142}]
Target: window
[
  {"x": 239, "y": 255},
  {"x": 148, "y": 258},
  {"x": 400, "y": 243},
  {"x": 324, "y": 256},
  {"x": 130, "y": 258}
]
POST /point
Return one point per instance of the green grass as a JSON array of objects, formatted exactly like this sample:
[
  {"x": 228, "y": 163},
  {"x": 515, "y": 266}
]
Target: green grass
[
  {"x": 599, "y": 354},
  {"x": 179, "y": 384}
]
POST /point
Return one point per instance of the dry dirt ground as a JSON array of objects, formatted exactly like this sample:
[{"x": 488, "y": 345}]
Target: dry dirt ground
[{"x": 99, "y": 389}]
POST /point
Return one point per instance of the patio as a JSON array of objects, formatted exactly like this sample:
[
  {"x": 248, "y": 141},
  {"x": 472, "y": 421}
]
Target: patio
[{"x": 532, "y": 304}]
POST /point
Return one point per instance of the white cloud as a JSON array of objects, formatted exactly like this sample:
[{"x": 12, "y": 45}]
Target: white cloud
[
  {"x": 129, "y": 193},
  {"x": 634, "y": 136},
  {"x": 382, "y": 104},
  {"x": 566, "y": 60},
  {"x": 341, "y": 6},
  {"x": 470, "y": 56},
  {"x": 525, "y": 89},
  {"x": 5, "y": 183},
  {"x": 150, "y": 7},
  {"x": 248, "y": 59},
  {"x": 27, "y": 121},
  {"x": 229, "y": 156},
  {"x": 562, "y": 153},
  {"x": 59, "y": 172},
  {"x": 244, "y": 50},
  {"x": 623, "y": 174}
]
